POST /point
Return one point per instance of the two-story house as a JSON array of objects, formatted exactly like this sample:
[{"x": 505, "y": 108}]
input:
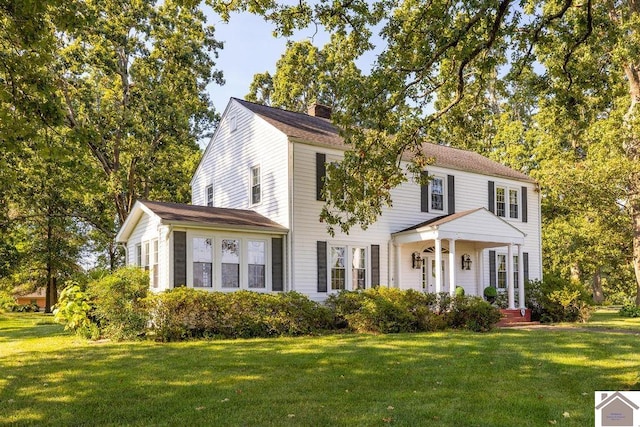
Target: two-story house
[{"x": 254, "y": 222}]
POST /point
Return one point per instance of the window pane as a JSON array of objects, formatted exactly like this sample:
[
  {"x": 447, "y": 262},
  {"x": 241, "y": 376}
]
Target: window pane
[
  {"x": 513, "y": 203},
  {"x": 230, "y": 267},
  {"x": 337, "y": 257},
  {"x": 230, "y": 275},
  {"x": 515, "y": 271},
  {"x": 500, "y": 202},
  {"x": 202, "y": 277},
  {"x": 202, "y": 262},
  {"x": 256, "y": 261},
  {"x": 210, "y": 195},
  {"x": 437, "y": 194},
  {"x": 256, "y": 276}
]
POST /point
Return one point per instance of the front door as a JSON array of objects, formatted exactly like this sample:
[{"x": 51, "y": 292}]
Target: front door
[{"x": 429, "y": 273}]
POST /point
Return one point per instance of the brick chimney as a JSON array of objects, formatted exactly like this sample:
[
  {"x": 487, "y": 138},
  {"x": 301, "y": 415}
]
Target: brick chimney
[{"x": 319, "y": 110}]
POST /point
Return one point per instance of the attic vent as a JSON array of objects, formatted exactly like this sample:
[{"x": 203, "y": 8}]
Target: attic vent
[{"x": 319, "y": 110}]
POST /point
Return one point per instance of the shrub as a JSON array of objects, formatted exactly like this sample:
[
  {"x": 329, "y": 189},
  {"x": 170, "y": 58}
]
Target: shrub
[
  {"x": 629, "y": 309},
  {"x": 7, "y": 302},
  {"x": 387, "y": 310},
  {"x": 459, "y": 292},
  {"x": 74, "y": 310},
  {"x": 185, "y": 313},
  {"x": 490, "y": 292},
  {"x": 558, "y": 300},
  {"x": 120, "y": 312},
  {"x": 472, "y": 313}
]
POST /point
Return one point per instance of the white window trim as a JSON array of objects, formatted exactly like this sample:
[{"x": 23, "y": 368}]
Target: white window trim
[
  {"x": 348, "y": 282},
  {"x": 251, "y": 169},
  {"x": 507, "y": 208},
  {"x": 444, "y": 193},
  {"x": 514, "y": 273}
]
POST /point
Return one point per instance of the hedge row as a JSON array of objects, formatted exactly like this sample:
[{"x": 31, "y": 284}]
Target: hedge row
[{"x": 118, "y": 306}]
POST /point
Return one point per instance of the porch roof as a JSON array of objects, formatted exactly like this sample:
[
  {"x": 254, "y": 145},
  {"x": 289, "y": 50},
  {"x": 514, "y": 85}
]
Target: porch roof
[{"x": 475, "y": 225}]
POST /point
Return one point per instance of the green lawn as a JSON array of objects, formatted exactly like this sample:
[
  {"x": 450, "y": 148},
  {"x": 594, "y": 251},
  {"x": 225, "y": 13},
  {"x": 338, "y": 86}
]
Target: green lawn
[{"x": 504, "y": 378}]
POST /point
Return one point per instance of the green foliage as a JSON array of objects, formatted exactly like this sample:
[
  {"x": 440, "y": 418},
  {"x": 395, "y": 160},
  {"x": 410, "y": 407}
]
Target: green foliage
[
  {"x": 459, "y": 292},
  {"x": 629, "y": 309},
  {"x": 472, "y": 313},
  {"x": 558, "y": 300},
  {"x": 119, "y": 299},
  {"x": 75, "y": 311},
  {"x": 184, "y": 313},
  {"x": 390, "y": 310}
]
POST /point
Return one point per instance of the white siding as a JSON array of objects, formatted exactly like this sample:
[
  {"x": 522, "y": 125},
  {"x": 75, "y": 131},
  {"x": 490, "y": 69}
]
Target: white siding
[
  {"x": 146, "y": 230},
  {"x": 471, "y": 191},
  {"x": 230, "y": 155}
]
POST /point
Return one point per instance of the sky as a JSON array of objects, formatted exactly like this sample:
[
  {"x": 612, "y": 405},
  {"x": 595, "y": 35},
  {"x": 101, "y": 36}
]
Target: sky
[{"x": 249, "y": 48}]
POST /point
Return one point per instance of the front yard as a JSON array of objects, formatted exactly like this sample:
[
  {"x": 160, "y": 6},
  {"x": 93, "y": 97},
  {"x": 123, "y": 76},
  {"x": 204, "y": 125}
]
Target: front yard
[{"x": 503, "y": 378}]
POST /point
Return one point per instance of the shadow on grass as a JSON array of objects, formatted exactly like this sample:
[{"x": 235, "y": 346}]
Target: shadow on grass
[{"x": 455, "y": 378}]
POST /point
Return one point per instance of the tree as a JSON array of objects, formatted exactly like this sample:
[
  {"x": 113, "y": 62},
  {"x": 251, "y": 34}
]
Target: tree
[
  {"x": 441, "y": 54},
  {"x": 305, "y": 75}
]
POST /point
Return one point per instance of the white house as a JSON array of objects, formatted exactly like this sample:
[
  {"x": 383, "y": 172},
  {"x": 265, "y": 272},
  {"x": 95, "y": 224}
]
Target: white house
[{"x": 254, "y": 222}]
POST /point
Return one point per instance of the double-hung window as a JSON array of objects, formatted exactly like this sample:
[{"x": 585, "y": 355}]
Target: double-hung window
[
  {"x": 209, "y": 195},
  {"x": 502, "y": 271},
  {"x": 154, "y": 263},
  {"x": 230, "y": 263},
  {"x": 343, "y": 259},
  {"x": 507, "y": 202},
  {"x": 255, "y": 185},
  {"x": 202, "y": 262},
  {"x": 437, "y": 193},
  {"x": 256, "y": 265},
  {"x": 358, "y": 268},
  {"x": 338, "y": 268},
  {"x": 139, "y": 254}
]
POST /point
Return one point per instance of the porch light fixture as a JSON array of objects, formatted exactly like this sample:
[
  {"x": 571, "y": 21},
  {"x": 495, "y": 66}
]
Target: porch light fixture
[
  {"x": 466, "y": 262},
  {"x": 416, "y": 260}
]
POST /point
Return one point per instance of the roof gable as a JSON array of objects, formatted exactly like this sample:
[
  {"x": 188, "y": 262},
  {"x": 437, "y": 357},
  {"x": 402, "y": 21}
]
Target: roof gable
[
  {"x": 478, "y": 225},
  {"x": 318, "y": 130}
]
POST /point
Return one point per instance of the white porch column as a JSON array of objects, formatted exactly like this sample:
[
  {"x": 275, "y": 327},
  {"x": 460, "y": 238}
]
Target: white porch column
[
  {"x": 520, "y": 278},
  {"x": 398, "y": 266},
  {"x": 452, "y": 267},
  {"x": 510, "y": 286},
  {"x": 438, "y": 254}
]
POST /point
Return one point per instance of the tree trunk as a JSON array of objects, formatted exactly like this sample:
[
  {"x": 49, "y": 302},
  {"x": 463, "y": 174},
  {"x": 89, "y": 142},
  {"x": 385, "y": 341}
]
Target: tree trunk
[{"x": 596, "y": 286}]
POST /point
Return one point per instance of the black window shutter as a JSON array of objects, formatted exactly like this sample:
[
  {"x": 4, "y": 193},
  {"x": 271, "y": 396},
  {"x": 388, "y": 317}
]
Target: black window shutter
[
  {"x": 451, "y": 193},
  {"x": 321, "y": 173},
  {"x": 277, "y": 265},
  {"x": 375, "y": 265},
  {"x": 179, "y": 258},
  {"x": 492, "y": 197},
  {"x": 524, "y": 204},
  {"x": 492, "y": 269},
  {"x": 322, "y": 266},
  {"x": 424, "y": 194},
  {"x": 525, "y": 266}
]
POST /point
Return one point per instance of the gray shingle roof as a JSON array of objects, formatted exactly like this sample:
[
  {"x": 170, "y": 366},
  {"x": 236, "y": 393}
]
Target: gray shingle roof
[
  {"x": 317, "y": 130},
  {"x": 211, "y": 216}
]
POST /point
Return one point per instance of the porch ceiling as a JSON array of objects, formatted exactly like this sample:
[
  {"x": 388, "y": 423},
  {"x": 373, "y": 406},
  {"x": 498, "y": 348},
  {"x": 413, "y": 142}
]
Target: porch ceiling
[{"x": 480, "y": 226}]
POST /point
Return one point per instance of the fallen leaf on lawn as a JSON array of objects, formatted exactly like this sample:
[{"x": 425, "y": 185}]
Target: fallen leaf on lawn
[
  {"x": 566, "y": 414},
  {"x": 387, "y": 419},
  {"x": 291, "y": 415},
  {"x": 199, "y": 408},
  {"x": 238, "y": 391},
  {"x": 226, "y": 399},
  {"x": 552, "y": 421},
  {"x": 391, "y": 408}
]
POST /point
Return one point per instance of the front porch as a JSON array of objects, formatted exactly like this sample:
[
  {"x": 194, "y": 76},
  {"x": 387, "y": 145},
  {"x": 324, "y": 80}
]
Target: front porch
[{"x": 462, "y": 245}]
